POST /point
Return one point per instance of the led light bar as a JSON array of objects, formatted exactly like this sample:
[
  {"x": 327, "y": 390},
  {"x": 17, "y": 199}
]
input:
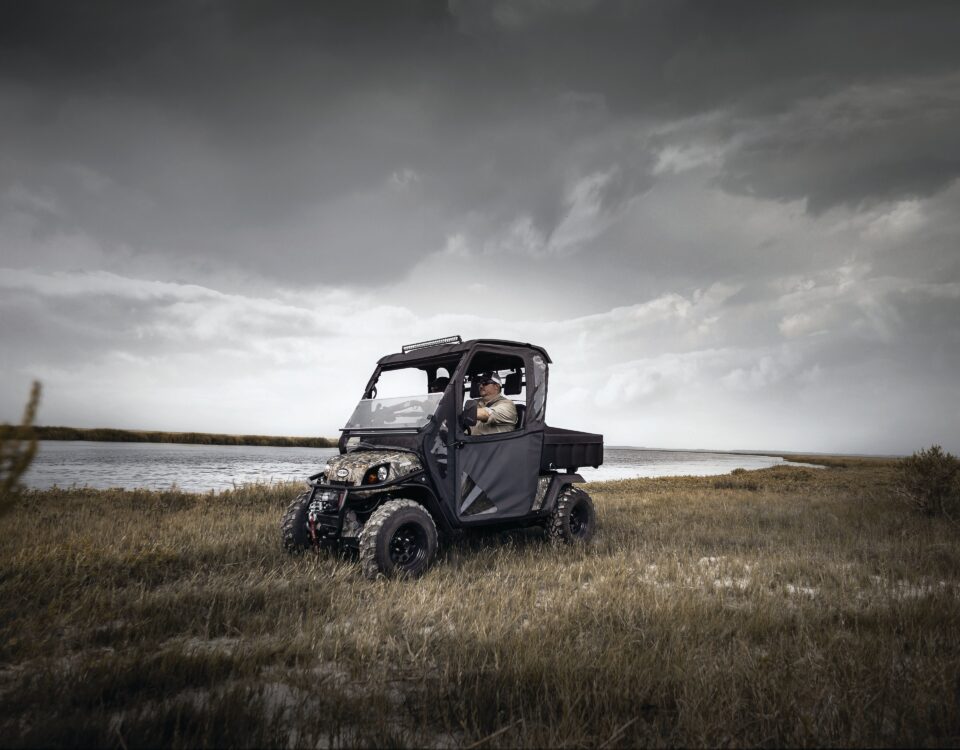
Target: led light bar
[{"x": 407, "y": 348}]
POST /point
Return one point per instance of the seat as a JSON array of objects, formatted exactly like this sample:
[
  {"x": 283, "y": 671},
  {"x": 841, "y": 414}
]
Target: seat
[{"x": 521, "y": 413}]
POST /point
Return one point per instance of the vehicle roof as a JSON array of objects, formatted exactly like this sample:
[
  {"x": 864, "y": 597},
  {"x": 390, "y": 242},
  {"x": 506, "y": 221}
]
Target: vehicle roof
[{"x": 438, "y": 351}]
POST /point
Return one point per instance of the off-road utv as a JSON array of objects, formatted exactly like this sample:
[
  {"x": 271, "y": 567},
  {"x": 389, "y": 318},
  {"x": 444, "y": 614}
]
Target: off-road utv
[{"x": 409, "y": 467}]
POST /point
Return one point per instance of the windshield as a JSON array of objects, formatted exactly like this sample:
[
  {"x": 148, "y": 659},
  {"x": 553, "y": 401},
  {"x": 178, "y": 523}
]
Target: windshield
[{"x": 404, "y": 412}]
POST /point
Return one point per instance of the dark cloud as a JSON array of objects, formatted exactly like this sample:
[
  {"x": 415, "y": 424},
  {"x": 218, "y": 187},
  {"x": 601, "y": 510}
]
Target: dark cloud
[
  {"x": 684, "y": 57},
  {"x": 864, "y": 144},
  {"x": 207, "y": 123}
]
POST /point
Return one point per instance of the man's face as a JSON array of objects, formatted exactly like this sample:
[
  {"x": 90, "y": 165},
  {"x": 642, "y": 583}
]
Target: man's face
[{"x": 489, "y": 390}]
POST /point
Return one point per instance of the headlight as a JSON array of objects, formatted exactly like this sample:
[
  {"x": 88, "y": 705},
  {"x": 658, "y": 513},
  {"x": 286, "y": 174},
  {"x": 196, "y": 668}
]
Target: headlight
[{"x": 376, "y": 474}]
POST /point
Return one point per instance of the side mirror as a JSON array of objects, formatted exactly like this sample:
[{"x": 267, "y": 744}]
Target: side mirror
[{"x": 468, "y": 417}]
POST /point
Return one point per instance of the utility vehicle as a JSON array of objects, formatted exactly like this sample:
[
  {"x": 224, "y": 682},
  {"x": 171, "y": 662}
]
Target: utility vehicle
[{"x": 409, "y": 469}]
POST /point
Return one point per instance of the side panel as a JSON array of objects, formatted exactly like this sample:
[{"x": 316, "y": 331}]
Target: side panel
[{"x": 536, "y": 389}]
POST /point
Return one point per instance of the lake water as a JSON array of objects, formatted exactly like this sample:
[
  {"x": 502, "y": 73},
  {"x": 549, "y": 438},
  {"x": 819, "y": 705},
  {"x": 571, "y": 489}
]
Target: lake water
[{"x": 199, "y": 468}]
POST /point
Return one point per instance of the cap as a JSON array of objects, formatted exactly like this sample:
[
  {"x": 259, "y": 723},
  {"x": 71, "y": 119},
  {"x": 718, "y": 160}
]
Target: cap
[{"x": 490, "y": 377}]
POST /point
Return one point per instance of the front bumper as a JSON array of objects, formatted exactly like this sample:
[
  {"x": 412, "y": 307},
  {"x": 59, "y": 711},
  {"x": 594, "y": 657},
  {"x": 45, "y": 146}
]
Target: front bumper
[
  {"x": 334, "y": 508},
  {"x": 326, "y": 512}
]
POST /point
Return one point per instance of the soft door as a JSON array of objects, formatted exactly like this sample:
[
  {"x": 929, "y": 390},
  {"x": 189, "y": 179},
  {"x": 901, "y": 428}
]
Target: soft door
[{"x": 497, "y": 475}]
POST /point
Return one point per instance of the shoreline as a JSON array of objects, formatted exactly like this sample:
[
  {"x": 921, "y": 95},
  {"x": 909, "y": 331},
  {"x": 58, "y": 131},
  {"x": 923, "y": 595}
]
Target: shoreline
[
  {"x": 114, "y": 435},
  {"x": 117, "y": 435}
]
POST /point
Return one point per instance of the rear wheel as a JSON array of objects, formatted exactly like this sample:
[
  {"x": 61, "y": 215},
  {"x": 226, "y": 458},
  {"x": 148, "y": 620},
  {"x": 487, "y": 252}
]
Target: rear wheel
[
  {"x": 294, "y": 532},
  {"x": 399, "y": 539},
  {"x": 573, "y": 519}
]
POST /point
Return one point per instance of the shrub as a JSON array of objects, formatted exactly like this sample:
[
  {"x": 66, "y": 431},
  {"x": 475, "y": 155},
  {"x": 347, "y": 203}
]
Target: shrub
[
  {"x": 736, "y": 484},
  {"x": 930, "y": 481},
  {"x": 18, "y": 446}
]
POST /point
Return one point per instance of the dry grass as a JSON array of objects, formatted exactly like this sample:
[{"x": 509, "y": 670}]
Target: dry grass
[{"x": 809, "y": 609}]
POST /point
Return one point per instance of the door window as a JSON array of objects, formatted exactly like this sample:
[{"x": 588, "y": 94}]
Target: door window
[{"x": 509, "y": 369}]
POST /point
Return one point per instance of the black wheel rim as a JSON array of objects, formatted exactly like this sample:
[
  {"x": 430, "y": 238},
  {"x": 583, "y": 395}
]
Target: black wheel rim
[
  {"x": 408, "y": 546},
  {"x": 579, "y": 519}
]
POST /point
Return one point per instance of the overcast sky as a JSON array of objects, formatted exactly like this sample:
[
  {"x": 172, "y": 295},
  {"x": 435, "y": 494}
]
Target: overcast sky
[{"x": 732, "y": 225}]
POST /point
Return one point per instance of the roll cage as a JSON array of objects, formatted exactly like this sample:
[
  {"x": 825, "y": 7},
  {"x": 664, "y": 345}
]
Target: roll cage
[{"x": 526, "y": 366}]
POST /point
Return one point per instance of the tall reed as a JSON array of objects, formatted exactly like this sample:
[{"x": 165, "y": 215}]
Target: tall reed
[{"x": 18, "y": 446}]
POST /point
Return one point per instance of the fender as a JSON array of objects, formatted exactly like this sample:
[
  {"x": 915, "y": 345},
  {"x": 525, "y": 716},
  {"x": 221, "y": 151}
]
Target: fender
[
  {"x": 560, "y": 481},
  {"x": 423, "y": 493}
]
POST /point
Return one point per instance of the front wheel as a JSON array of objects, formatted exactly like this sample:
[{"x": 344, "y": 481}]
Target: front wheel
[
  {"x": 399, "y": 539},
  {"x": 294, "y": 531},
  {"x": 573, "y": 519}
]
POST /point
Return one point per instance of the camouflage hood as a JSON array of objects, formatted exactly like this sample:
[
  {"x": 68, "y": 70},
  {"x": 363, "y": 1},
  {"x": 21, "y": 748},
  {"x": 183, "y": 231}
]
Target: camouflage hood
[{"x": 350, "y": 467}]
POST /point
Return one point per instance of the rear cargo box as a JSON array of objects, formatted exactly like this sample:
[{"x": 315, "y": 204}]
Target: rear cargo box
[{"x": 569, "y": 449}]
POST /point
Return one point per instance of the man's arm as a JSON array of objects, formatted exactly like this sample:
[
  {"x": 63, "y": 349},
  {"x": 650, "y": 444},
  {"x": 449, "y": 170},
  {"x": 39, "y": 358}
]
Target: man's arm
[{"x": 502, "y": 412}]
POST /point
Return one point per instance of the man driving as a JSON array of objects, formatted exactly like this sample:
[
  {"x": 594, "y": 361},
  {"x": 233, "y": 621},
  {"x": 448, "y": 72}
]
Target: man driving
[{"x": 495, "y": 412}]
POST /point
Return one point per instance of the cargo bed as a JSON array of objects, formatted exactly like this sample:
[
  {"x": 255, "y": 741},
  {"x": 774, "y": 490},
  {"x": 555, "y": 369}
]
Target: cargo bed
[{"x": 570, "y": 449}]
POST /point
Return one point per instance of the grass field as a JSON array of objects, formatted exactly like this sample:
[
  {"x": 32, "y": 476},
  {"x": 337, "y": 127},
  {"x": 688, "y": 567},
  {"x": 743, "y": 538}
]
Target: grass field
[{"x": 787, "y": 606}]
